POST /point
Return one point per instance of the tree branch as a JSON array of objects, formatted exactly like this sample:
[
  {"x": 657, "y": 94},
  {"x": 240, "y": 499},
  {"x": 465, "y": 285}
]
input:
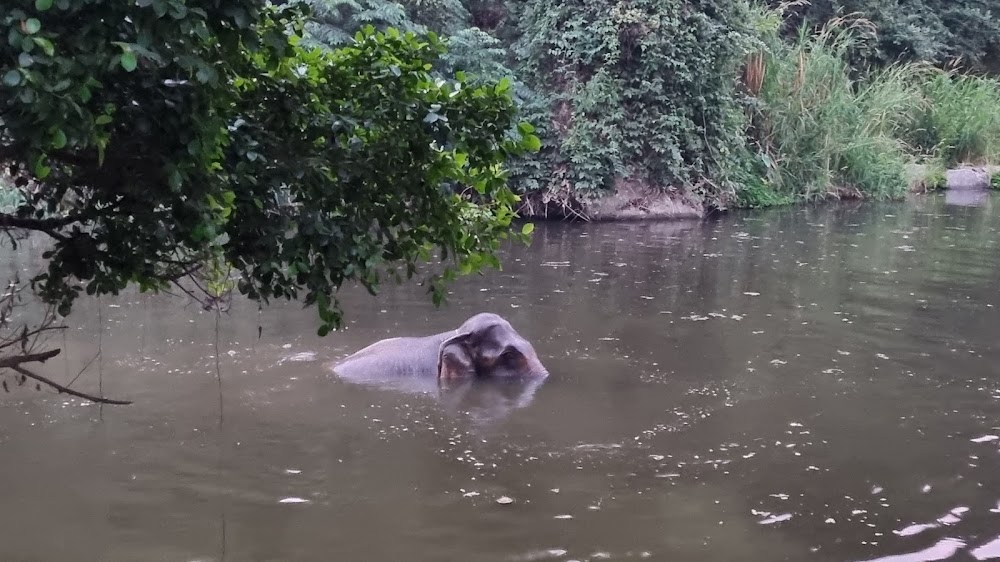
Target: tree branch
[
  {"x": 14, "y": 364},
  {"x": 14, "y": 361},
  {"x": 67, "y": 390},
  {"x": 49, "y": 226}
]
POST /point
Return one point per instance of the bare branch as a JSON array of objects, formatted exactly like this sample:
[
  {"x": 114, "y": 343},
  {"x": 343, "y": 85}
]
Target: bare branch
[
  {"x": 31, "y": 334},
  {"x": 67, "y": 390},
  {"x": 15, "y": 364},
  {"x": 16, "y": 360}
]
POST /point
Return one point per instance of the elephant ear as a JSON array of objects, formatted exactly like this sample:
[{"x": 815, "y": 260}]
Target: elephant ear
[{"x": 455, "y": 357}]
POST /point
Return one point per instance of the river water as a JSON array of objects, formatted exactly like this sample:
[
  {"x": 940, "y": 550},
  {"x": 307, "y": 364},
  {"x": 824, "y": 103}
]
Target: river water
[{"x": 796, "y": 384}]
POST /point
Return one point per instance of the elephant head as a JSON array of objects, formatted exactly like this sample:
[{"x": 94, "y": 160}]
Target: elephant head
[{"x": 486, "y": 345}]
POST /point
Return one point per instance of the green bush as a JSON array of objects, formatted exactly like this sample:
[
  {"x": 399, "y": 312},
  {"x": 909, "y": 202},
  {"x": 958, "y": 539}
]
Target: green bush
[{"x": 643, "y": 90}]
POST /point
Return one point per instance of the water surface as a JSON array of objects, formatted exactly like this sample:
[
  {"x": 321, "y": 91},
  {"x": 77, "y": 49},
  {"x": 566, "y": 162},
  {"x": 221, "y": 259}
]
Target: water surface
[{"x": 799, "y": 384}]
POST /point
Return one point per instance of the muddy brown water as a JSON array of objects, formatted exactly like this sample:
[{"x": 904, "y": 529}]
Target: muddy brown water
[{"x": 799, "y": 384}]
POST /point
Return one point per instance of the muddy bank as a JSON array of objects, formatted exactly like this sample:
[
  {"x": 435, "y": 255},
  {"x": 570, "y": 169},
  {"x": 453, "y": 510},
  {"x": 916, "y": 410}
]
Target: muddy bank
[
  {"x": 633, "y": 203},
  {"x": 628, "y": 202}
]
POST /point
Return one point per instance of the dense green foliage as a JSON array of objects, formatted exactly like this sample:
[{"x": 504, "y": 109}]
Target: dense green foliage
[
  {"x": 597, "y": 79},
  {"x": 963, "y": 32},
  {"x": 470, "y": 48},
  {"x": 166, "y": 134},
  {"x": 718, "y": 102},
  {"x": 640, "y": 91}
]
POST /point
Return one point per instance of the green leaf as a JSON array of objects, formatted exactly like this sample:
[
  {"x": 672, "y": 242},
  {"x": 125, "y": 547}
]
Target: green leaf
[
  {"x": 102, "y": 119},
  {"x": 32, "y": 26},
  {"x": 528, "y": 228},
  {"x": 525, "y": 128},
  {"x": 174, "y": 179},
  {"x": 45, "y": 44},
  {"x": 532, "y": 143},
  {"x": 206, "y": 74},
  {"x": 43, "y": 5},
  {"x": 502, "y": 86},
  {"x": 129, "y": 61},
  {"x": 59, "y": 139},
  {"x": 12, "y": 78},
  {"x": 41, "y": 170},
  {"x": 24, "y": 60}
]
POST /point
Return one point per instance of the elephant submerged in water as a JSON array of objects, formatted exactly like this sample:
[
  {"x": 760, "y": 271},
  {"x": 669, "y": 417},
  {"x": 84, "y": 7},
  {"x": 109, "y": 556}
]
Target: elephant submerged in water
[{"x": 485, "y": 346}]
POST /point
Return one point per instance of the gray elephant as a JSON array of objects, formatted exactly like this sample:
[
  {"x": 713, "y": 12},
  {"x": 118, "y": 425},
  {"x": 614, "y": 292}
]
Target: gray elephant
[{"x": 484, "y": 346}]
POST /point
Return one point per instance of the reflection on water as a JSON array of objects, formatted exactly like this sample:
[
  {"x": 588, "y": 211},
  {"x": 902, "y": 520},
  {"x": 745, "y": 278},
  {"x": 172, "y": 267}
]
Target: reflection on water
[
  {"x": 966, "y": 197},
  {"x": 485, "y": 400},
  {"x": 798, "y": 384}
]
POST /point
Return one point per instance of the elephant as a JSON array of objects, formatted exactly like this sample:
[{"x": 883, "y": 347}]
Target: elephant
[{"x": 484, "y": 346}]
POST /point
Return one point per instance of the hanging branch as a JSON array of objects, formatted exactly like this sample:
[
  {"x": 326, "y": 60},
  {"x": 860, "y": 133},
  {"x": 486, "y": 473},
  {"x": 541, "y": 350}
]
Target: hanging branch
[
  {"x": 19, "y": 346},
  {"x": 67, "y": 390}
]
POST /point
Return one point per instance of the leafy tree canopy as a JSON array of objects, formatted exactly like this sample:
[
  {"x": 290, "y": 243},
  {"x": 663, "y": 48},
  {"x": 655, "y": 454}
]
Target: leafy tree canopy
[{"x": 150, "y": 137}]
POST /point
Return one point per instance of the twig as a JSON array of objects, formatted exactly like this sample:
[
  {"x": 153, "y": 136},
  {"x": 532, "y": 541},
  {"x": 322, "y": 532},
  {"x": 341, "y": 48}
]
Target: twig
[
  {"x": 100, "y": 354},
  {"x": 12, "y": 342},
  {"x": 218, "y": 368},
  {"x": 84, "y": 369}
]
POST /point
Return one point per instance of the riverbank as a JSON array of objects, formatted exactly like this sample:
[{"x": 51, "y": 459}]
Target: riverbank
[{"x": 630, "y": 202}]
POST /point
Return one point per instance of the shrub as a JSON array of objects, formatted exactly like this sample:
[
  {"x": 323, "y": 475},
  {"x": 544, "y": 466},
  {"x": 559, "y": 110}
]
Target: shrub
[{"x": 641, "y": 90}]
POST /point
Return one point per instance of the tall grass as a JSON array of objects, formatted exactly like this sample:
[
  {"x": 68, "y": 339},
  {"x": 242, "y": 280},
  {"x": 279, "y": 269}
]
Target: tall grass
[
  {"x": 960, "y": 121},
  {"x": 821, "y": 133},
  {"x": 822, "y": 128}
]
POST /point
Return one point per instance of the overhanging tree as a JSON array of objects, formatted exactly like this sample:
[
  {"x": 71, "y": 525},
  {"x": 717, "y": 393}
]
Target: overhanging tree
[{"x": 156, "y": 139}]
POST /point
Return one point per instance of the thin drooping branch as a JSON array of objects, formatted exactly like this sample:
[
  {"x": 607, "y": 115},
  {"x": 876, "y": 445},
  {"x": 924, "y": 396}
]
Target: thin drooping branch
[
  {"x": 20, "y": 339},
  {"x": 83, "y": 370},
  {"x": 27, "y": 343},
  {"x": 68, "y": 390}
]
